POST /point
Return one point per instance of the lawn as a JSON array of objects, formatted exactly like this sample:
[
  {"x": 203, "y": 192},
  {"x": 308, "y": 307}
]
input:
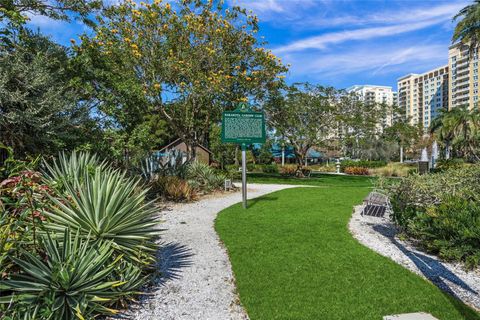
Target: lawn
[
  {"x": 293, "y": 258},
  {"x": 317, "y": 179}
]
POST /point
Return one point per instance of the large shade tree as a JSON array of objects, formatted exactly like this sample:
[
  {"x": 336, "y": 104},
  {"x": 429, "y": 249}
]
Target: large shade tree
[
  {"x": 302, "y": 115},
  {"x": 185, "y": 62},
  {"x": 39, "y": 112}
]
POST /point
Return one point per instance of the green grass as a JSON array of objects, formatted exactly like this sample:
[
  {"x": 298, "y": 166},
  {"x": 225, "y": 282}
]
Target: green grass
[
  {"x": 317, "y": 179},
  {"x": 294, "y": 258}
]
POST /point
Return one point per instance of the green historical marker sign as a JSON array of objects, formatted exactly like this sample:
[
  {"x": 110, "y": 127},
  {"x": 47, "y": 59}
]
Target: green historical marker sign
[{"x": 243, "y": 126}]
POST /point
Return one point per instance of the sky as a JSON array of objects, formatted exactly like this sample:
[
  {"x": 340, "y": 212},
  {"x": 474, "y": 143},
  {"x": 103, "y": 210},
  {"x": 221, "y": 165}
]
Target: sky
[{"x": 339, "y": 42}]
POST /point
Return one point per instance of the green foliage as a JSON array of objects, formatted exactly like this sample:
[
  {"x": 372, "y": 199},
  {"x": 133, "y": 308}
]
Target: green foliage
[
  {"x": 302, "y": 115},
  {"x": 71, "y": 282},
  {"x": 270, "y": 168},
  {"x": 46, "y": 273},
  {"x": 441, "y": 211},
  {"x": 71, "y": 168},
  {"x": 16, "y": 11},
  {"x": 203, "y": 177},
  {"x": 446, "y": 164},
  {"x": 467, "y": 29},
  {"x": 196, "y": 80},
  {"x": 39, "y": 108},
  {"x": 108, "y": 206},
  {"x": 11, "y": 166},
  {"x": 459, "y": 129},
  {"x": 362, "y": 163}
]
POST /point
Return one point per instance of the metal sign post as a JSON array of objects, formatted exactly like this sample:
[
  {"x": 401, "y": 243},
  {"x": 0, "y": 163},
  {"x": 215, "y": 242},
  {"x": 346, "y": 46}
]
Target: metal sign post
[
  {"x": 244, "y": 176},
  {"x": 243, "y": 126}
]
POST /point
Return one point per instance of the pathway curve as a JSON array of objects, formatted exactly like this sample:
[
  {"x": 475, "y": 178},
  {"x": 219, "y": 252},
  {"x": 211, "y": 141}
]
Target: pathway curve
[
  {"x": 379, "y": 234},
  {"x": 197, "y": 280}
]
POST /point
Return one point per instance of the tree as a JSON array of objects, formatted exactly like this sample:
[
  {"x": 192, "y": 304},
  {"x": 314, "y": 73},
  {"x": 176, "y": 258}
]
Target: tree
[
  {"x": 460, "y": 128},
  {"x": 467, "y": 29},
  {"x": 16, "y": 11},
  {"x": 401, "y": 131},
  {"x": 356, "y": 121},
  {"x": 186, "y": 62},
  {"x": 443, "y": 129},
  {"x": 302, "y": 115},
  {"x": 38, "y": 108}
]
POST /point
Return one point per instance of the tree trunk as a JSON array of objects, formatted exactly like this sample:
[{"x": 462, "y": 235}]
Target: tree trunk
[
  {"x": 401, "y": 153},
  {"x": 447, "y": 150},
  {"x": 236, "y": 156}
]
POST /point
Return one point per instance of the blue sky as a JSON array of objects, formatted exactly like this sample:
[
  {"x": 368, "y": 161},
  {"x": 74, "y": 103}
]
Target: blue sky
[{"x": 340, "y": 42}]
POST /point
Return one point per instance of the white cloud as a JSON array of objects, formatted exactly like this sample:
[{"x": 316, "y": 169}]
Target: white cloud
[
  {"x": 386, "y": 17},
  {"x": 388, "y": 60},
  {"x": 321, "y": 41},
  {"x": 278, "y": 10}
]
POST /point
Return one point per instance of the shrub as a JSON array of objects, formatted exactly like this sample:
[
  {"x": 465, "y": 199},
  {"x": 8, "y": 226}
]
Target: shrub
[
  {"x": 23, "y": 198},
  {"x": 359, "y": 171},
  {"x": 393, "y": 170},
  {"x": 443, "y": 165},
  {"x": 72, "y": 281},
  {"x": 288, "y": 170},
  {"x": 175, "y": 189},
  {"x": 270, "y": 168},
  {"x": 109, "y": 207},
  {"x": 50, "y": 275},
  {"x": 202, "y": 177},
  {"x": 323, "y": 168},
  {"x": 441, "y": 210},
  {"x": 362, "y": 163}
]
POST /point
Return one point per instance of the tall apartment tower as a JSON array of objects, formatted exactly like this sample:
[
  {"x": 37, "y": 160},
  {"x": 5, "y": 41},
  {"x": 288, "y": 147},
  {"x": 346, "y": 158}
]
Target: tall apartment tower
[
  {"x": 376, "y": 94},
  {"x": 463, "y": 79},
  {"x": 423, "y": 95}
]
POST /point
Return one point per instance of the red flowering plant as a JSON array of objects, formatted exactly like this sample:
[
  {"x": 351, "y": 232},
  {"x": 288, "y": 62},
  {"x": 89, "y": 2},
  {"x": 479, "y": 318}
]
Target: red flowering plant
[{"x": 23, "y": 197}]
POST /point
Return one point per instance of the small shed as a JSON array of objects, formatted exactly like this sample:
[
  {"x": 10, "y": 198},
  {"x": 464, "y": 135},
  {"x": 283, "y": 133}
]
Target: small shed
[{"x": 202, "y": 153}]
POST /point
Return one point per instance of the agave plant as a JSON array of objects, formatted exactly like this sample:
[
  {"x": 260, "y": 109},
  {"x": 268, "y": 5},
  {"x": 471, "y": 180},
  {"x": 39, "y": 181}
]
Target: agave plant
[
  {"x": 107, "y": 206},
  {"x": 69, "y": 283},
  {"x": 204, "y": 177}
]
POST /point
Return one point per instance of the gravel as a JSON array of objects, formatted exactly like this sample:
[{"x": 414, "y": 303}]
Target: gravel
[
  {"x": 380, "y": 235},
  {"x": 196, "y": 276}
]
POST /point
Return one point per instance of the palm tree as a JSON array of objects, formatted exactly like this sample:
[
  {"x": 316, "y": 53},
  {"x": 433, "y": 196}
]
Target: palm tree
[
  {"x": 442, "y": 128},
  {"x": 467, "y": 30},
  {"x": 459, "y": 127},
  {"x": 467, "y": 125}
]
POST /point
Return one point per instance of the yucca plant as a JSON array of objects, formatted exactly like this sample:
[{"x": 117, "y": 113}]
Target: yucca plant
[
  {"x": 70, "y": 282},
  {"x": 108, "y": 206},
  {"x": 71, "y": 168}
]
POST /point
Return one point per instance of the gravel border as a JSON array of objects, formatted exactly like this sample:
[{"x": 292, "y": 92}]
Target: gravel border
[
  {"x": 380, "y": 235},
  {"x": 196, "y": 276}
]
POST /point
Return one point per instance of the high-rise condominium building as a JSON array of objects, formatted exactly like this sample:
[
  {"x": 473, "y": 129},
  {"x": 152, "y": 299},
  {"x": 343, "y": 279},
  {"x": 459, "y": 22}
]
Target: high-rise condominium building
[
  {"x": 463, "y": 79},
  {"x": 423, "y": 95},
  {"x": 376, "y": 94}
]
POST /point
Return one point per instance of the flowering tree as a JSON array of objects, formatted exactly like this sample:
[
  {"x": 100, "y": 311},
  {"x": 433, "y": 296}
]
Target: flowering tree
[{"x": 187, "y": 62}]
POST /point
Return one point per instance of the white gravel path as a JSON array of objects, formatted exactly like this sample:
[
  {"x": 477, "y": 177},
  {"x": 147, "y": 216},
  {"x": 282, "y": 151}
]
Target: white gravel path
[
  {"x": 197, "y": 280},
  {"x": 379, "y": 234}
]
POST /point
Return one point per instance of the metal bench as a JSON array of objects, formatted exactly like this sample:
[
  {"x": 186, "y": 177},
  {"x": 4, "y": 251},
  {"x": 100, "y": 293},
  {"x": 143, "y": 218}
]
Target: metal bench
[{"x": 376, "y": 204}]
